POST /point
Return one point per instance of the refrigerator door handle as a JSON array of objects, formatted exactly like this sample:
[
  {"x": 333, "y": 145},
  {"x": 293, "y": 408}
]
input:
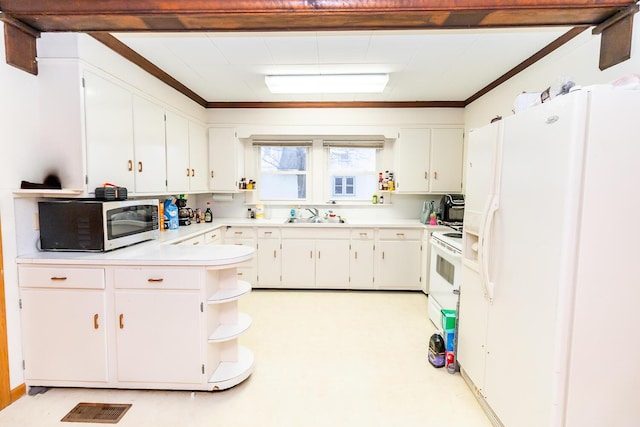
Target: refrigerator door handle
[{"x": 487, "y": 285}]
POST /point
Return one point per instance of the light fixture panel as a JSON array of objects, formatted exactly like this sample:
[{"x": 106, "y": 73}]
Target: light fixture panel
[{"x": 327, "y": 83}]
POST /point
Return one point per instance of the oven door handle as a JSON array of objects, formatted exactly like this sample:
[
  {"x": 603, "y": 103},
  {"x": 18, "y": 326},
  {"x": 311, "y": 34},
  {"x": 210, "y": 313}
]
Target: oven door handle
[{"x": 487, "y": 284}]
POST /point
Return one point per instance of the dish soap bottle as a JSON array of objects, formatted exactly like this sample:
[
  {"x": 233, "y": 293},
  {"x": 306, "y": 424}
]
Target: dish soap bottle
[
  {"x": 293, "y": 211},
  {"x": 208, "y": 215}
]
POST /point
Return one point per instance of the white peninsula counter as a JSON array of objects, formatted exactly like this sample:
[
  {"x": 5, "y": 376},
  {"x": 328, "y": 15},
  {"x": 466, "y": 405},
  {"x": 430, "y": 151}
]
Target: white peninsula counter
[{"x": 148, "y": 316}]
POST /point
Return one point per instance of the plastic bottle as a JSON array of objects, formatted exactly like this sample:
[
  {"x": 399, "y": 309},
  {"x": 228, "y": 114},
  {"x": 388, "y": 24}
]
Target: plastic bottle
[
  {"x": 437, "y": 350},
  {"x": 374, "y": 199},
  {"x": 381, "y": 200},
  {"x": 293, "y": 212},
  {"x": 433, "y": 219},
  {"x": 208, "y": 215}
]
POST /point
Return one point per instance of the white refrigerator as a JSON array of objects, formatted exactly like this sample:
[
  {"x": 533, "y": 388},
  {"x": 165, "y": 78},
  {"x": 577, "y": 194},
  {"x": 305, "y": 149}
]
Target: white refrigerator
[{"x": 549, "y": 319}]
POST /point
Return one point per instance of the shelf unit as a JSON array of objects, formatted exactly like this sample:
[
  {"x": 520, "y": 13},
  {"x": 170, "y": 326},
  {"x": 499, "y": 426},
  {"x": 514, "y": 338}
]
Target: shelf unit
[{"x": 228, "y": 363}]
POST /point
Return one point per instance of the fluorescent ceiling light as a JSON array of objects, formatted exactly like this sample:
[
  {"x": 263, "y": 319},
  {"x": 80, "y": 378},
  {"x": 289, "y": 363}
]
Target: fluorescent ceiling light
[{"x": 327, "y": 83}]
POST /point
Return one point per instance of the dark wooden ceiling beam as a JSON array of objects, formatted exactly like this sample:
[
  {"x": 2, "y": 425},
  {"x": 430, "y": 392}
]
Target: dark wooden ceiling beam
[{"x": 279, "y": 15}]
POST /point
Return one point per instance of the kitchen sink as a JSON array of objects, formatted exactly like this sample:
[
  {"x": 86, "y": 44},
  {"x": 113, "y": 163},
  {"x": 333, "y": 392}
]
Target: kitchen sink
[{"x": 313, "y": 220}]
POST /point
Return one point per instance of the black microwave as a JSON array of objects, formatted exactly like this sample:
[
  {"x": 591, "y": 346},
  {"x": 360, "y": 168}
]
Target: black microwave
[
  {"x": 452, "y": 208},
  {"x": 92, "y": 225}
]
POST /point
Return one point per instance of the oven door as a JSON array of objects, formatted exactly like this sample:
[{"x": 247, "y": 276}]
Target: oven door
[{"x": 444, "y": 280}]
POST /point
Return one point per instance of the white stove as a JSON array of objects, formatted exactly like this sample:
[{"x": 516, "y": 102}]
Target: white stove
[{"x": 444, "y": 277}]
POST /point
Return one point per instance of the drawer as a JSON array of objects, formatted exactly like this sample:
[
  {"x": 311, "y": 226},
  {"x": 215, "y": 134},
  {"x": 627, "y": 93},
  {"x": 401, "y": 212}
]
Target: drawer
[
  {"x": 193, "y": 241},
  {"x": 400, "y": 234},
  {"x": 61, "y": 277},
  {"x": 156, "y": 278},
  {"x": 362, "y": 234},
  {"x": 213, "y": 236},
  {"x": 269, "y": 233},
  {"x": 240, "y": 233}
]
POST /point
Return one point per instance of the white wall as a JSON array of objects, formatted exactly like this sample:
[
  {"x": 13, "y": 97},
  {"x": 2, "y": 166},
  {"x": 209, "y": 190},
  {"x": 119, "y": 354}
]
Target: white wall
[
  {"x": 19, "y": 121},
  {"x": 577, "y": 60}
]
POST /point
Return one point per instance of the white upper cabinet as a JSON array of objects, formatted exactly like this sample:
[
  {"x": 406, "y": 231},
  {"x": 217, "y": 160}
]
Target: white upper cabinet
[
  {"x": 198, "y": 157},
  {"x": 109, "y": 133},
  {"x": 429, "y": 160},
  {"x": 224, "y": 158},
  {"x": 149, "y": 146}
]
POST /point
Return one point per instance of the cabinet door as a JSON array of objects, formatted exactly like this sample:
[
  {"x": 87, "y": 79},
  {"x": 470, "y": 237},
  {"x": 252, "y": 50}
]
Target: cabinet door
[
  {"x": 149, "y": 144},
  {"x": 446, "y": 160},
  {"x": 412, "y": 152},
  {"x": 361, "y": 264},
  {"x": 198, "y": 157},
  {"x": 177, "y": 140},
  {"x": 64, "y": 335},
  {"x": 298, "y": 263},
  {"x": 223, "y": 160},
  {"x": 269, "y": 263},
  {"x": 159, "y": 337},
  {"x": 109, "y": 133},
  {"x": 332, "y": 263},
  {"x": 399, "y": 265}
]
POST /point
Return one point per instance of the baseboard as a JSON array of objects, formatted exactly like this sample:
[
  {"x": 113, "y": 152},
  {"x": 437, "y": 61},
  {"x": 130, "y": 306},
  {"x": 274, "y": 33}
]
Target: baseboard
[{"x": 17, "y": 393}]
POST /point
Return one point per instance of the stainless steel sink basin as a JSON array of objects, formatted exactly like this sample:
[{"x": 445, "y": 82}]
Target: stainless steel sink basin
[{"x": 312, "y": 220}]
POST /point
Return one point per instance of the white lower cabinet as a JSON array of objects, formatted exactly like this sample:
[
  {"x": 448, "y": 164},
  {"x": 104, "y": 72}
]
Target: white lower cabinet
[
  {"x": 122, "y": 326},
  {"x": 158, "y": 318},
  {"x": 361, "y": 259},
  {"x": 243, "y": 236},
  {"x": 399, "y": 259},
  {"x": 315, "y": 258},
  {"x": 269, "y": 258},
  {"x": 64, "y": 325}
]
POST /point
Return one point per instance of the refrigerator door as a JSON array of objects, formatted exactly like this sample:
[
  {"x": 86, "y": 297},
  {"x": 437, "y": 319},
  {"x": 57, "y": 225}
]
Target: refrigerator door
[
  {"x": 532, "y": 261},
  {"x": 481, "y": 173}
]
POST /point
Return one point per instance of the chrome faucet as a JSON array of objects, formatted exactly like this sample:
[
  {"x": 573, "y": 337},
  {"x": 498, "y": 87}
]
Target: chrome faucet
[{"x": 314, "y": 212}]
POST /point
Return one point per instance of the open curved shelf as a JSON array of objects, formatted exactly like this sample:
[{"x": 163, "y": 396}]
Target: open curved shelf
[
  {"x": 226, "y": 332},
  {"x": 226, "y": 295},
  {"x": 229, "y": 374}
]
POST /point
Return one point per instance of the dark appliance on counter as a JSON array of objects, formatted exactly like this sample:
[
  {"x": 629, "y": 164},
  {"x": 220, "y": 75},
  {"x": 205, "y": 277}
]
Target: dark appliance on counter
[
  {"x": 91, "y": 225},
  {"x": 452, "y": 209}
]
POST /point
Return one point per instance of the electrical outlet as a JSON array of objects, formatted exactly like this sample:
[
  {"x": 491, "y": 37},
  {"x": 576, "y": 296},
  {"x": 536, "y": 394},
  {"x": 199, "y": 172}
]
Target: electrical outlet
[{"x": 36, "y": 222}]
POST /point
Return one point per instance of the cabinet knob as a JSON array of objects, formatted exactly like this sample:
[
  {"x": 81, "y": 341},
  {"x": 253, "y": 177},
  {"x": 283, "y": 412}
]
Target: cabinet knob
[{"x": 95, "y": 321}]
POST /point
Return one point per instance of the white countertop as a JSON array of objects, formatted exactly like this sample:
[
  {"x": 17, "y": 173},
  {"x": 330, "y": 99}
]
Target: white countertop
[{"x": 166, "y": 254}]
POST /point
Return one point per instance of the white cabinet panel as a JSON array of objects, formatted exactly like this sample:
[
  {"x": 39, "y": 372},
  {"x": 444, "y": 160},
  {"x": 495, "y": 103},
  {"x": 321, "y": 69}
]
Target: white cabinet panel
[
  {"x": 446, "y": 160},
  {"x": 269, "y": 259},
  {"x": 109, "y": 132},
  {"x": 361, "y": 264},
  {"x": 64, "y": 335},
  {"x": 149, "y": 146},
  {"x": 224, "y": 160},
  {"x": 177, "y": 140},
  {"x": 332, "y": 263},
  {"x": 158, "y": 336},
  {"x": 198, "y": 157},
  {"x": 298, "y": 263}
]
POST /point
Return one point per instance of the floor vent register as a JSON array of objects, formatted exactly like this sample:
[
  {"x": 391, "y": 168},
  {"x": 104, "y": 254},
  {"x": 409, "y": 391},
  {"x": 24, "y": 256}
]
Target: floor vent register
[{"x": 106, "y": 413}]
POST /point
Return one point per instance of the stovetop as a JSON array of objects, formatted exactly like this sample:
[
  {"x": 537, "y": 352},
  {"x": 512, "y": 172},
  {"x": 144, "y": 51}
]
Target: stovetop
[{"x": 452, "y": 238}]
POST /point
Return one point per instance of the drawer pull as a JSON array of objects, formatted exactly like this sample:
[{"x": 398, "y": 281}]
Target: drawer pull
[
  {"x": 240, "y": 273},
  {"x": 121, "y": 320},
  {"x": 356, "y": 254},
  {"x": 59, "y": 278},
  {"x": 188, "y": 170},
  {"x": 195, "y": 243},
  {"x": 268, "y": 233},
  {"x": 151, "y": 280},
  {"x": 400, "y": 234},
  {"x": 238, "y": 232},
  {"x": 364, "y": 234},
  {"x": 95, "y": 321}
]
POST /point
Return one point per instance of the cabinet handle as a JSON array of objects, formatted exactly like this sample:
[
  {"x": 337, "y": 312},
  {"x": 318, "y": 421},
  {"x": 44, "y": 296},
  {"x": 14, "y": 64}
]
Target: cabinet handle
[
  {"x": 188, "y": 171},
  {"x": 95, "y": 321},
  {"x": 364, "y": 234},
  {"x": 268, "y": 233},
  {"x": 356, "y": 254},
  {"x": 121, "y": 320},
  {"x": 435, "y": 175},
  {"x": 426, "y": 174},
  {"x": 193, "y": 172},
  {"x": 400, "y": 234},
  {"x": 240, "y": 273},
  {"x": 59, "y": 278},
  {"x": 212, "y": 174},
  {"x": 382, "y": 254},
  {"x": 139, "y": 166},
  {"x": 152, "y": 280},
  {"x": 130, "y": 165},
  {"x": 310, "y": 254},
  {"x": 274, "y": 254},
  {"x": 318, "y": 254},
  {"x": 195, "y": 243},
  {"x": 238, "y": 232}
]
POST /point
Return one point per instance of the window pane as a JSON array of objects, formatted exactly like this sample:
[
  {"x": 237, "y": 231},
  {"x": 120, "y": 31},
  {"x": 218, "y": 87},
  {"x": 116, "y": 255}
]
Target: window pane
[
  {"x": 352, "y": 159},
  {"x": 283, "y": 186},
  {"x": 283, "y": 159}
]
